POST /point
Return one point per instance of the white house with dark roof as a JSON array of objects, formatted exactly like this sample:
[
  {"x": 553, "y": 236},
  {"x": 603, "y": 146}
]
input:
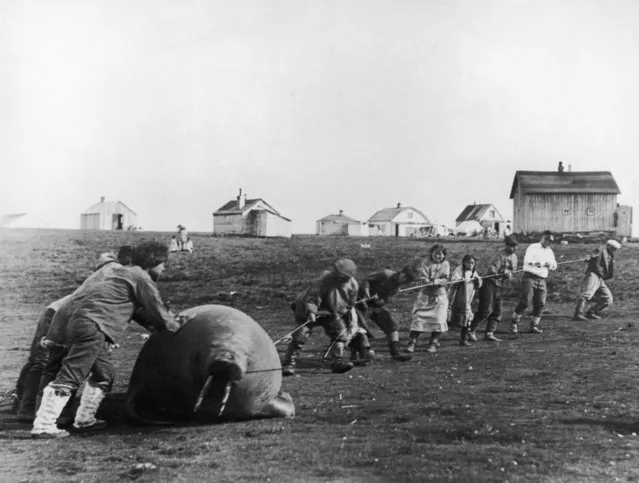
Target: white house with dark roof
[
  {"x": 568, "y": 201},
  {"x": 404, "y": 221},
  {"x": 108, "y": 215},
  {"x": 250, "y": 217},
  {"x": 485, "y": 214},
  {"x": 340, "y": 224}
]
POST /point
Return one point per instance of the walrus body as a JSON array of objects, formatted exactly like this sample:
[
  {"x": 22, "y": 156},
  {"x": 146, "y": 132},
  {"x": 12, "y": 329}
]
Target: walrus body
[{"x": 219, "y": 346}]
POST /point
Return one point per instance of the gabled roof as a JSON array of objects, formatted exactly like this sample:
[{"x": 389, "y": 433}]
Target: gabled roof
[
  {"x": 339, "y": 219},
  {"x": 549, "y": 182},
  {"x": 389, "y": 214},
  {"x": 99, "y": 207},
  {"x": 475, "y": 212},
  {"x": 233, "y": 208}
]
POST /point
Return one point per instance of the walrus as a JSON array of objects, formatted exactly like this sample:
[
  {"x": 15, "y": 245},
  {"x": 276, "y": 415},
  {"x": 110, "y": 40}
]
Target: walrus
[{"x": 220, "y": 366}]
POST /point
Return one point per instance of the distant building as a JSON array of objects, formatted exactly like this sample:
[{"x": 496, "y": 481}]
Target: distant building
[
  {"x": 108, "y": 215},
  {"x": 250, "y": 217},
  {"x": 566, "y": 201},
  {"x": 340, "y": 224},
  {"x": 485, "y": 214},
  {"x": 404, "y": 221},
  {"x": 22, "y": 220}
]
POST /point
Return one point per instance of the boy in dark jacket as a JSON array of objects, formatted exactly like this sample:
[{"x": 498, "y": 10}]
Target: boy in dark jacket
[
  {"x": 491, "y": 293},
  {"x": 600, "y": 267},
  {"x": 376, "y": 290}
]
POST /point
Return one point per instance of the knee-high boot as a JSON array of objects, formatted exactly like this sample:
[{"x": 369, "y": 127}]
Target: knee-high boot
[
  {"x": 27, "y": 409},
  {"x": 90, "y": 401},
  {"x": 53, "y": 401},
  {"x": 290, "y": 359}
]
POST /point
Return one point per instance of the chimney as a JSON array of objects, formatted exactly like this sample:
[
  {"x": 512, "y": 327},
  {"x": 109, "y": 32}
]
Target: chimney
[
  {"x": 102, "y": 198},
  {"x": 341, "y": 212},
  {"x": 560, "y": 167},
  {"x": 399, "y": 205},
  {"x": 569, "y": 168},
  {"x": 241, "y": 200}
]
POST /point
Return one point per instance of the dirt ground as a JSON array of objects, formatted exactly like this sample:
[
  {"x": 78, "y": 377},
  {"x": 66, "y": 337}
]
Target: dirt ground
[{"x": 562, "y": 406}]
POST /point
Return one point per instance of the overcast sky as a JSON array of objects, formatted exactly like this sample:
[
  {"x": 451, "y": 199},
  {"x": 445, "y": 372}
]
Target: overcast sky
[{"x": 314, "y": 106}]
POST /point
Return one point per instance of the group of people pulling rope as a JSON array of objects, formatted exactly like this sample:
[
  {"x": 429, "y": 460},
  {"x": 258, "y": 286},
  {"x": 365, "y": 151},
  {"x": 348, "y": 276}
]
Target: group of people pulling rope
[{"x": 340, "y": 305}]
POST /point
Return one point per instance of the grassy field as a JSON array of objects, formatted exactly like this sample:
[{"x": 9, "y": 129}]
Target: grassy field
[{"x": 562, "y": 406}]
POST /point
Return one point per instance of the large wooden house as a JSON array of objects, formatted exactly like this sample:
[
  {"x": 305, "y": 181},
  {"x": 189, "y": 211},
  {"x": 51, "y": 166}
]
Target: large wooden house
[
  {"x": 400, "y": 221},
  {"x": 567, "y": 202},
  {"x": 250, "y": 217}
]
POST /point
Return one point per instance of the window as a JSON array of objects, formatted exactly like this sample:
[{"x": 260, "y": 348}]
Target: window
[
  {"x": 590, "y": 211},
  {"x": 410, "y": 214},
  {"x": 566, "y": 211},
  {"x": 492, "y": 213}
]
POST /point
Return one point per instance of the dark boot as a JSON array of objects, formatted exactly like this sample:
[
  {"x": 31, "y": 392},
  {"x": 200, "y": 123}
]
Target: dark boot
[
  {"x": 463, "y": 340},
  {"x": 393, "y": 345},
  {"x": 579, "y": 310},
  {"x": 339, "y": 365},
  {"x": 290, "y": 359},
  {"x": 27, "y": 409}
]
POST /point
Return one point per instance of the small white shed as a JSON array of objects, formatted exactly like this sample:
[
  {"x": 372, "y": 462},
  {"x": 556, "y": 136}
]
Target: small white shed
[
  {"x": 340, "y": 224},
  {"x": 108, "y": 215}
]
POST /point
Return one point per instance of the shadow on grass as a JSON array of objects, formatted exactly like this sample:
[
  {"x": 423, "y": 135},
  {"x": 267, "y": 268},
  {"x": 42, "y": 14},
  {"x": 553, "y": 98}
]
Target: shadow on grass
[{"x": 617, "y": 426}]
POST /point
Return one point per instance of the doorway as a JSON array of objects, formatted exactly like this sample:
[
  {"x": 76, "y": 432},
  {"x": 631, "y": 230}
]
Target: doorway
[{"x": 117, "y": 222}]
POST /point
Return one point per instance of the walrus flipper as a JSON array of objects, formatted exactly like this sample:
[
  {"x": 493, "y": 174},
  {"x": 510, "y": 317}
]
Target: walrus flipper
[{"x": 281, "y": 406}]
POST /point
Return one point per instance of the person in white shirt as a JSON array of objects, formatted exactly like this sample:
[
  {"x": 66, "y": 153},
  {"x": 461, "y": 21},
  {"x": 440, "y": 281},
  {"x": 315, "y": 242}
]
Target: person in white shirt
[
  {"x": 507, "y": 231},
  {"x": 538, "y": 260}
]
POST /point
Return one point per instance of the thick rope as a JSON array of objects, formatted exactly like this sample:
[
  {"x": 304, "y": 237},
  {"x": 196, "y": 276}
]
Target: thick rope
[{"x": 486, "y": 276}]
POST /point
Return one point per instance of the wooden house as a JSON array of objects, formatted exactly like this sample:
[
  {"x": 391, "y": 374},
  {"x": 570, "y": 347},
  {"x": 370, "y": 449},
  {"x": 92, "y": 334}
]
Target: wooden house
[
  {"x": 250, "y": 217},
  {"x": 404, "y": 221},
  {"x": 340, "y": 224},
  {"x": 485, "y": 214},
  {"x": 108, "y": 215},
  {"x": 567, "y": 201}
]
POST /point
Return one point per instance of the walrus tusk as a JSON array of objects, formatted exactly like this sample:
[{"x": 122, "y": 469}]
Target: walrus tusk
[
  {"x": 203, "y": 393},
  {"x": 227, "y": 393}
]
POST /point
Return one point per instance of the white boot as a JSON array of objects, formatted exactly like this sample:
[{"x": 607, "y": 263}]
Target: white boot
[
  {"x": 89, "y": 403},
  {"x": 534, "y": 325},
  {"x": 44, "y": 424}
]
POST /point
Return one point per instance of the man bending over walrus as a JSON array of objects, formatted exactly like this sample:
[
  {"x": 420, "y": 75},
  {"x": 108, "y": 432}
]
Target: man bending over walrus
[{"x": 82, "y": 341}]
